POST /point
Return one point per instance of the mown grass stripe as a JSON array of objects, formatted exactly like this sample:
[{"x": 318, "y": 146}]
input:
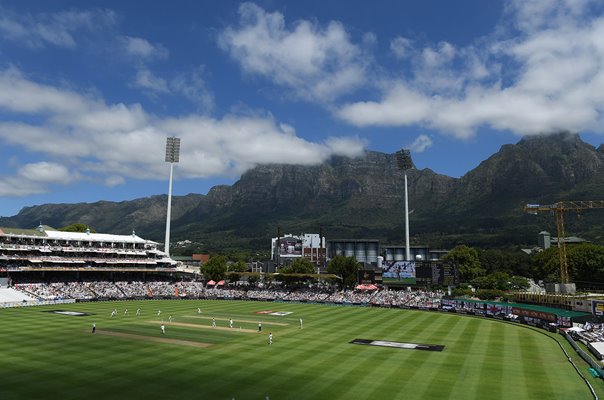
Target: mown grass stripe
[{"x": 48, "y": 353}]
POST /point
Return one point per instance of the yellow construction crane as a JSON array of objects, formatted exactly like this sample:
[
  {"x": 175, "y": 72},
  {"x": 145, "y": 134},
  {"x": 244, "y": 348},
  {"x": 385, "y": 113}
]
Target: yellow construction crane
[{"x": 559, "y": 209}]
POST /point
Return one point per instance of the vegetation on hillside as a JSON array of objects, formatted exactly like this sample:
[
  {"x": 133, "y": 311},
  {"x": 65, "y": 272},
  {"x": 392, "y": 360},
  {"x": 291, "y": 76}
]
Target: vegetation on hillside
[
  {"x": 508, "y": 270},
  {"x": 77, "y": 227}
]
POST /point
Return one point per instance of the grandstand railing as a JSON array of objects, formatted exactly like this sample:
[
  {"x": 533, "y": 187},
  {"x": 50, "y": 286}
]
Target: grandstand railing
[
  {"x": 35, "y": 303},
  {"x": 588, "y": 359}
]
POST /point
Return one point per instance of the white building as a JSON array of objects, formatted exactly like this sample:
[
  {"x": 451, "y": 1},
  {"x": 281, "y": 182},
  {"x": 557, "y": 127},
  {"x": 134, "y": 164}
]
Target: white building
[
  {"x": 45, "y": 248},
  {"x": 289, "y": 247}
]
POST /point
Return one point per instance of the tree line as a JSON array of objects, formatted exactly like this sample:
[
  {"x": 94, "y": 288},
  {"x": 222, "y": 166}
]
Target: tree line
[
  {"x": 505, "y": 270},
  {"x": 484, "y": 269},
  {"x": 342, "y": 270}
]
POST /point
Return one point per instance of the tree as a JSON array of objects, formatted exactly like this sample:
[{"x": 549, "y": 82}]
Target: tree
[
  {"x": 586, "y": 262},
  {"x": 493, "y": 260},
  {"x": 519, "y": 283},
  {"x": 345, "y": 267},
  {"x": 299, "y": 266},
  {"x": 235, "y": 269},
  {"x": 512, "y": 262},
  {"x": 238, "y": 266},
  {"x": 215, "y": 268},
  {"x": 77, "y": 227},
  {"x": 253, "y": 279},
  {"x": 546, "y": 265},
  {"x": 467, "y": 262},
  {"x": 500, "y": 281}
]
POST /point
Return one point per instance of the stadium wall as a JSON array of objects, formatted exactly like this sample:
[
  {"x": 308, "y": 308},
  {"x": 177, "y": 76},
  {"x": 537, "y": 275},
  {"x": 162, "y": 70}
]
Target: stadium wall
[{"x": 588, "y": 359}]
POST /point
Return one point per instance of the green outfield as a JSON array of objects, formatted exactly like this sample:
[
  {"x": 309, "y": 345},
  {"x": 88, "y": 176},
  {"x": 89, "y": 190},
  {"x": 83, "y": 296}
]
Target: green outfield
[{"x": 45, "y": 355}]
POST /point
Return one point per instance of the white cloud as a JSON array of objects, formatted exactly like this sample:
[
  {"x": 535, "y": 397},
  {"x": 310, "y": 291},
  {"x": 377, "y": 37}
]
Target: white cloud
[
  {"x": 345, "y": 146},
  {"x": 102, "y": 118},
  {"x": 35, "y": 178},
  {"x": 141, "y": 48},
  {"x": 145, "y": 79},
  {"x": 57, "y": 29},
  {"x": 193, "y": 87},
  {"x": 420, "y": 144},
  {"x": 234, "y": 144},
  {"x": 18, "y": 94},
  {"x": 539, "y": 15},
  {"x": 114, "y": 180},
  {"x": 13, "y": 186},
  {"x": 317, "y": 63},
  {"x": 84, "y": 138},
  {"x": 46, "y": 172},
  {"x": 435, "y": 57},
  {"x": 401, "y": 106},
  {"x": 400, "y": 47},
  {"x": 540, "y": 71},
  {"x": 44, "y": 139},
  {"x": 190, "y": 85}
]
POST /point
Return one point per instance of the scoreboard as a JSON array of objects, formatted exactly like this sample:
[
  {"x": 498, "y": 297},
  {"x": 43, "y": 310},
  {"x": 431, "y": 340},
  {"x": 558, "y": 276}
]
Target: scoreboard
[{"x": 428, "y": 273}]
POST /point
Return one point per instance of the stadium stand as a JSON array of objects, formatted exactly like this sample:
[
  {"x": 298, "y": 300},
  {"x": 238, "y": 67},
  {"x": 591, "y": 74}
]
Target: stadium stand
[
  {"x": 10, "y": 295},
  {"x": 193, "y": 289},
  {"x": 46, "y": 249}
]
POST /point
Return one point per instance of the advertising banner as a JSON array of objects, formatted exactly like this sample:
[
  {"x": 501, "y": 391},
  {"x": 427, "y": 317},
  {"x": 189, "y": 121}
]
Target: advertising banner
[
  {"x": 597, "y": 307},
  {"x": 533, "y": 314}
]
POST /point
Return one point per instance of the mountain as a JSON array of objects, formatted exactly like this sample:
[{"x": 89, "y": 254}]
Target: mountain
[{"x": 363, "y": 198}]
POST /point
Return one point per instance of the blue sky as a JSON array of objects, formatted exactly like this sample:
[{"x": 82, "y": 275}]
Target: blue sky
[{"x": 90, "y": 90}]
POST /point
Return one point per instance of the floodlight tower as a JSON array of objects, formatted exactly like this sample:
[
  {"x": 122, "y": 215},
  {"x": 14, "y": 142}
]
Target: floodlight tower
[
  {"x": 172, "y": 156},
  {"x": 403, "y": 160}
]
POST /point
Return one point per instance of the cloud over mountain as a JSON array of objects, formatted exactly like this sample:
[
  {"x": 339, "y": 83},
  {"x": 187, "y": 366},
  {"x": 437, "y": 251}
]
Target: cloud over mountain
[{"x": 541, "y": 70}]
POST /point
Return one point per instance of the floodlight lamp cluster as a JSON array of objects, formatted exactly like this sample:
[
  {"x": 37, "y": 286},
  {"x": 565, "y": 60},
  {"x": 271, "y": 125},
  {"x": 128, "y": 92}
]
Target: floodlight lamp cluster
[
  {"x": 403, "y": 160},
  {"x": 172, "y": 150}
]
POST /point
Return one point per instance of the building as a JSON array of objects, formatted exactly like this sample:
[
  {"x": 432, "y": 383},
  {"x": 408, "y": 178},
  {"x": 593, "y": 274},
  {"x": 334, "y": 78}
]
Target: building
[
  {"x": 366, "y": 251},
  {"x": 387, "y": 265},
  {"x": 545, "y": 241},
  {"x": 370, "y": 253},
  {"x": 418, "y": 253},
  {"x": 286, "y": 249},
  {"x": 46, "y": 250}
]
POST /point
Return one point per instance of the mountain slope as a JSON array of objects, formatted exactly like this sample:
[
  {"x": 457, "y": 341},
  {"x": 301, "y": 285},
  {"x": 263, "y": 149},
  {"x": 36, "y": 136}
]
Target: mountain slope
[{"x": 363, "y": 198}]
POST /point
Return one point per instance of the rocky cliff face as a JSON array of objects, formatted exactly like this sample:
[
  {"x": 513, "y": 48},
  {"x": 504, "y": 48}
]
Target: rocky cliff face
[
  {"x": 361, "y": 197},
  {"x": 367, "y": 182},
  {"x": 540, "y": 168}
]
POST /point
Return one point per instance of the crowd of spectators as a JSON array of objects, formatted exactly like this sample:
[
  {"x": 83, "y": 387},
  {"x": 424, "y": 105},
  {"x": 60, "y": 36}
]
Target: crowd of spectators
[
  {"x": 194, "y": 289},
  {"x": 420, "y": 298},
  {"x": 46, "y": 291}
]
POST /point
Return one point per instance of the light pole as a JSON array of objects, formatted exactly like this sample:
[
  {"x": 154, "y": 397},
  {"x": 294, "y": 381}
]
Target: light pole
[
  {"x": 404, "y": 163},
  {"x": 172, "y": 156}
]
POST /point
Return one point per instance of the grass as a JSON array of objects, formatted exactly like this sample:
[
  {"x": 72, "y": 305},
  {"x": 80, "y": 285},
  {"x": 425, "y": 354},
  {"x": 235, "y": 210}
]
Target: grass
[{"x": 45, "y": 355}]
